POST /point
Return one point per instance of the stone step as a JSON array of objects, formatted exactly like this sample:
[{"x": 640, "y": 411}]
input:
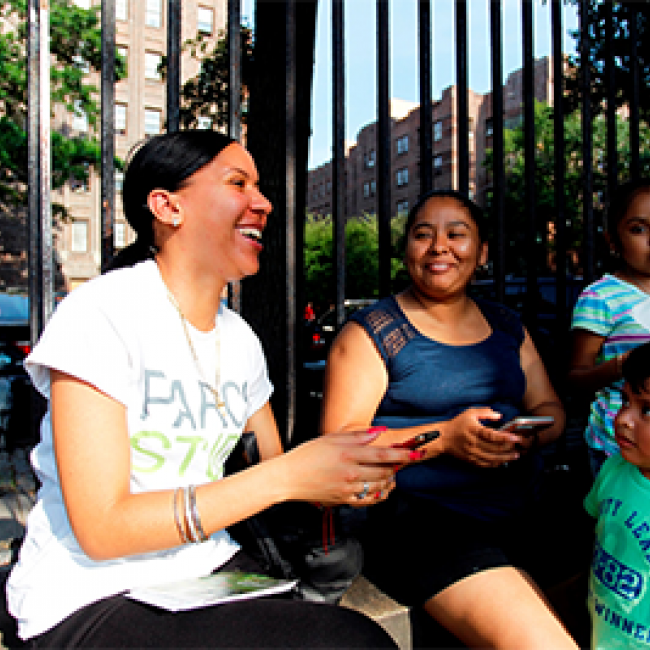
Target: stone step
[{"x": 363, "y": 596}]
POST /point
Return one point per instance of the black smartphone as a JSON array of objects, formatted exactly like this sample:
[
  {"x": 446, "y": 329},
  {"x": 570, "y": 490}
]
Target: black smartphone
[
  {"x": 526, "y": 425},
  {"x": 418, "y": 441}
]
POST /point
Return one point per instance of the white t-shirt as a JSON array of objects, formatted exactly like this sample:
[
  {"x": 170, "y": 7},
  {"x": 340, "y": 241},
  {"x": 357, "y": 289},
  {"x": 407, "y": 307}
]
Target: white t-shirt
[{"x": 120, "y": 333}]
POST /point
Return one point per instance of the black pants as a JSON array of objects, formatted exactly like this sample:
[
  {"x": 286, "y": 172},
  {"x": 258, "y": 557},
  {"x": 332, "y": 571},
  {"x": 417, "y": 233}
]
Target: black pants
[{"x": 271, "y": 622}]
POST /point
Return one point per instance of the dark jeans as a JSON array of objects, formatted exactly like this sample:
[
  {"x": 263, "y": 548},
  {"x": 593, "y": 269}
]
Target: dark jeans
[{"x": 271, "y": 622}]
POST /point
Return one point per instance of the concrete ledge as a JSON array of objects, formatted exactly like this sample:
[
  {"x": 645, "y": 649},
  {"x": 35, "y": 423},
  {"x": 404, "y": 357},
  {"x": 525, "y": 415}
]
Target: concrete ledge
[{"x": 365, "y": 597}]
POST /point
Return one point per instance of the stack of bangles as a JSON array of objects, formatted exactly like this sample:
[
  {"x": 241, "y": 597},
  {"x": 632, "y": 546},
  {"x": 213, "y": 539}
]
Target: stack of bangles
[{"x": 186, "y": 517}]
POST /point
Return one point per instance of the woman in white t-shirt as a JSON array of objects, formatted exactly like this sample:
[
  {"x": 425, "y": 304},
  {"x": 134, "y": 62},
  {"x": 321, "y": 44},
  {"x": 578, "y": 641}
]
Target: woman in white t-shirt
[{"x": 150, "y": 382}]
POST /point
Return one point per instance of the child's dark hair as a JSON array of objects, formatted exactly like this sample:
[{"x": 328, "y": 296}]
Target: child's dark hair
[
  {"x": 164, "y": 161},
  {"x": 474, "y": 210},
  {"x": 636, "y": 367},
  {"x": 618, "y": 206}
]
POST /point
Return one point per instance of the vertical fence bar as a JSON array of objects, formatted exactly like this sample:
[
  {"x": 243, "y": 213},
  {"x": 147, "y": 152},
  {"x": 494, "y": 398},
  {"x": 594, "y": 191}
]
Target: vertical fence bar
[
  {"x": 39, "y": 173},
  {"x": 633, "y": 21},
  {"x": 587, "y": 138},
  {"x": 34, "y": 171},
  {"x": 107, "y": 131},
  {"x": 559, "y": 163},
  {"x": 234, "y": 69},
  {"x": 461, "y": 99},
  {"x": 426, "y": 104},
  {"x": 234, "y": 105},
  {"x": 529, "y": 149},
  {"x": 291, "y": 103},
  {"x": 498, "y": 171},
  {"x": 338, "y": 168},
  {"x": 173, "y": 64},
  {"x": 610, "y": 77},
  {"x": 384, "y": 177}
]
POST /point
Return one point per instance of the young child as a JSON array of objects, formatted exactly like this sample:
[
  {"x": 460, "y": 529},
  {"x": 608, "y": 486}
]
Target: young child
[
  {"x": 605, "y": 326},
  {"x": 619, "y": 602}
]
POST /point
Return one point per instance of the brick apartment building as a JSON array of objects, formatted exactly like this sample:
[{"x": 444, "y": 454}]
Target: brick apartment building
[
  {"x": 361, "y": 177},
  {"x": 140, "y": 105}
]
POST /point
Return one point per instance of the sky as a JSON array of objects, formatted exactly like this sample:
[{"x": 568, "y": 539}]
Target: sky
[{"x": 360, "y": 56}]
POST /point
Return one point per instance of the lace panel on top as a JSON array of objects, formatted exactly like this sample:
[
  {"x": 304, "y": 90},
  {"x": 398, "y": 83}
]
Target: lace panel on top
[{"x": 398, "y": 334}]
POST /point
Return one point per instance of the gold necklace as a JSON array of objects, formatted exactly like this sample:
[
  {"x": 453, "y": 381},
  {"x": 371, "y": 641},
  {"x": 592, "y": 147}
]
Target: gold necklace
[{"x": 217, "y": 378}]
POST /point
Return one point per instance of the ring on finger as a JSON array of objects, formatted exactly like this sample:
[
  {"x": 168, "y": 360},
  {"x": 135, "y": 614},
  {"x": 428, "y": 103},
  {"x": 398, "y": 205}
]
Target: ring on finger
[{"x": 363, "y": 494}]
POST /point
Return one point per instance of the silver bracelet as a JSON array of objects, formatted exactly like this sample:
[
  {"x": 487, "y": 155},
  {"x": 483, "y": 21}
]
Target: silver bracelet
[
  {"x": 196, "y": 520},
  {"x": 177, "y": 520},
  {"x": 194, "y": 535}
]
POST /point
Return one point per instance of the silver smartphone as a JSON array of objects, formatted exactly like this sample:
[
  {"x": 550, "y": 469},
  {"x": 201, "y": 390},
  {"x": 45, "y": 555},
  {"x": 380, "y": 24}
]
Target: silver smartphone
[{"x": 526, "y": 425}]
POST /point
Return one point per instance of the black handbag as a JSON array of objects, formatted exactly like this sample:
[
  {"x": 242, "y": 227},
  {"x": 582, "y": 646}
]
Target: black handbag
[{"x": 298, "y": 540}]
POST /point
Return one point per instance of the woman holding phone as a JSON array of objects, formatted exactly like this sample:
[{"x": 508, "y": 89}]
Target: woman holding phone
[
  {"x": 429, "y": 358},
  {"x": 150, "y": 382}
]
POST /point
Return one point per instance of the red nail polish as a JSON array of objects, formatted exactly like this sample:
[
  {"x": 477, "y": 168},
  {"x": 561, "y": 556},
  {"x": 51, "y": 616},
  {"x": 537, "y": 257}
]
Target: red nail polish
[
  {"x": 376, "y": 429},
  {"x": 416, "y": 455}
]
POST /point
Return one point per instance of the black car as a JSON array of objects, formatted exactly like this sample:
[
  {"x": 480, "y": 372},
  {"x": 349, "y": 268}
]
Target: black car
[{"x": 320, "y": 332}]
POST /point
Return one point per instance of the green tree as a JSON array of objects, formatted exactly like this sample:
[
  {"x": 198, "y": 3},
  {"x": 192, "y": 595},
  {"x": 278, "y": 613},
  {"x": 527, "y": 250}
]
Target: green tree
[
  {"x": 75, "y": 42},
  {"x": 361, "y": 259},
  {"x": 621, "y": 52},
  {"x": 206, "y": 94},
  {"x": 517, "y": 255}
]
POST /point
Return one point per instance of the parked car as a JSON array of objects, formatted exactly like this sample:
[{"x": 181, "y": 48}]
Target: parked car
[
  {"x": 320, "y": 332},
  {"x": 14, "y": 320},
  {"x": 21, "y": 406}
]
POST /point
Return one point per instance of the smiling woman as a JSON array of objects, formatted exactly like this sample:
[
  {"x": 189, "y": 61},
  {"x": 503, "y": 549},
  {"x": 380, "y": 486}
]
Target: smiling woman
[
  {"x": 150, "y": 382},
  {"x": 432, "y": 357}
]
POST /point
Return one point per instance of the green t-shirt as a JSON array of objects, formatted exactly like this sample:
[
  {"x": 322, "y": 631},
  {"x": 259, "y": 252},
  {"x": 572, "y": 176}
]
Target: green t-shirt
[{"x": 618, "y": 600}]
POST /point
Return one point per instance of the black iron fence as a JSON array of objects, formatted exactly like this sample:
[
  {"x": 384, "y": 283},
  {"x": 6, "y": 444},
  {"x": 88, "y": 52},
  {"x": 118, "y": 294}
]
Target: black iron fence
[{"x": 284, "y": 170}]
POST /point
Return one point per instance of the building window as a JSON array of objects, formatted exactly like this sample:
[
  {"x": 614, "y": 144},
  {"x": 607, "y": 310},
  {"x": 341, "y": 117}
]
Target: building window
[
  {"x": 119, "y": 180},
  {"x": 121, "y": 9},
  {"x": 369, "y": 159},
  {"x": 204, "y": 122},
  {"x": 123, "y": 51},
  {"x": 437, "y": 131},
  {"x": 489, "y": 127},
  {"x": 402, "y": 176},
  {"x": 79, "y": 243},
  {"x": 153, "y": 13},
  {"x": 120, "y": 119},
  {"x": 151, "y": 121},
  {"x": 437, "y": 165},
  {"x": 369, "y": 189},
  {"x": 205, "y": 20},
  {"x": 402, "y": 144},
  {"x": 82, "y": 4},
  {"x": 79, "y": 118},
  {"x": 152, "y": 61},
  {"x": 119, "y": 234},
  {"x": 402, "y": 208}
]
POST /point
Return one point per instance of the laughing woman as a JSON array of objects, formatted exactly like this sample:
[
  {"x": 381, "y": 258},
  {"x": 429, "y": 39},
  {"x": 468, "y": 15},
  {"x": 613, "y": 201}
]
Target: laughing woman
[
  {"x": 150, "y": 383},
  {"x": 434, "y": 358}
]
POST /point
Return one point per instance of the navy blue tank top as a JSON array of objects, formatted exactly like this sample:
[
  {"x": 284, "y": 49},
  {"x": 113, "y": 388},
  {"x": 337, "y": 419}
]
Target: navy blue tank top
[{"x": 429, "y": 381}]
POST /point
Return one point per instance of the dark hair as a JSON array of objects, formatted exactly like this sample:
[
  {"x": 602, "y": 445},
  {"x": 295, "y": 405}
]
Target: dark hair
[
  {"x": 636, "y": 367},
  {"x": 474, "y": 210},
  {"x": 164, "y": 161},
  {"x": 621, "y": 199}
]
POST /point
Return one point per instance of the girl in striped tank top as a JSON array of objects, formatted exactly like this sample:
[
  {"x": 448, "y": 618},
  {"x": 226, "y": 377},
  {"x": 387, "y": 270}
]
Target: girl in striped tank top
[{"x": 608, "y": 318}]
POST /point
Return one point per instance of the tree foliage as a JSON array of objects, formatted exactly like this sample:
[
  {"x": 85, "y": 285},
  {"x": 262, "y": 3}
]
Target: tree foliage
[
  {"x": 623, "y": 12},
  {"x": 361, "y": 259},
  {"x": 206, "y": 94},
  {"x": 75, "y": 43},
  {"x": 517, "y": 255}
]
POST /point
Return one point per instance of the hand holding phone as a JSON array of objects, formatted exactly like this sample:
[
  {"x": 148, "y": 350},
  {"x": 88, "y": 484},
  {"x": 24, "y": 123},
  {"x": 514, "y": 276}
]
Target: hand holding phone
[
  {"x": 417, "y": 441},
  {"x": 527, "y": 425}
]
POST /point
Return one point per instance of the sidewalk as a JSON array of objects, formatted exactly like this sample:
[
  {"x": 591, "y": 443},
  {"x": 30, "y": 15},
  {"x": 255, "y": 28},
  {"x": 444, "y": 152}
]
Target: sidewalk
[{"x": 17, "y": 496}]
